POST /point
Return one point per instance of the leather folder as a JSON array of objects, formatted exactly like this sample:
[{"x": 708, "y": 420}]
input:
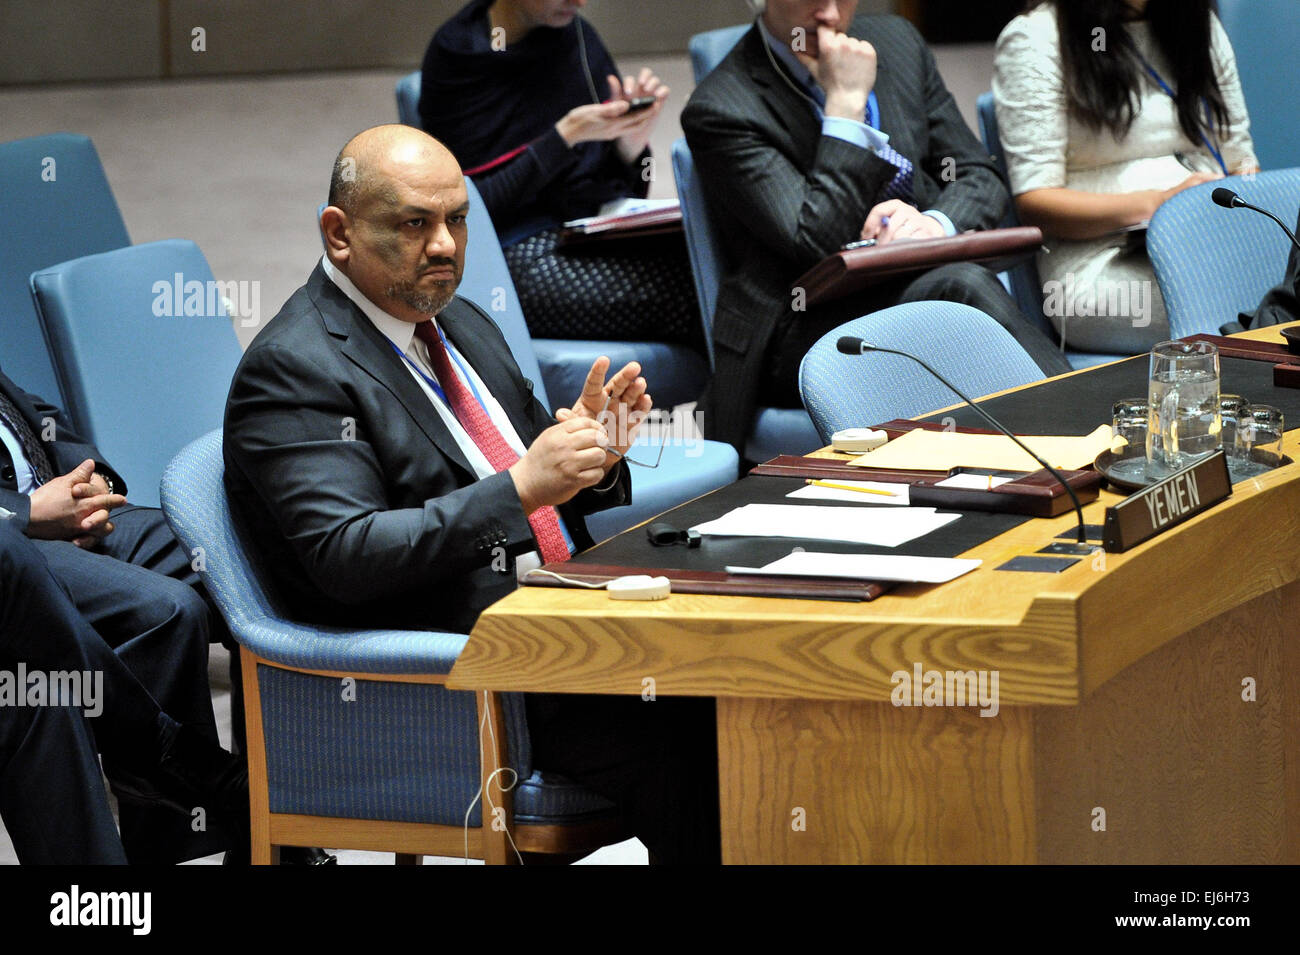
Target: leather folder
[
  {"x": 1037, "y": 494},
  {"x": 718, "y": 582},
  {"x": 844, "y": 273},
  {"x": 614, "y": 228},
  {"x": 1272, "y": 352}
]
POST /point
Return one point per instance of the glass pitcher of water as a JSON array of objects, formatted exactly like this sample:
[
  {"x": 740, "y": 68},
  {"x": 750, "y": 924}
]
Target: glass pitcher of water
[{"x": 1183, "y": 405}]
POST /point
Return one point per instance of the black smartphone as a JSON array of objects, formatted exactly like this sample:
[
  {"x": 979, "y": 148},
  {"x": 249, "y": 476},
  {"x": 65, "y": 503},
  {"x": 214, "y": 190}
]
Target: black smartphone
[{"x": 640, "y": 103}]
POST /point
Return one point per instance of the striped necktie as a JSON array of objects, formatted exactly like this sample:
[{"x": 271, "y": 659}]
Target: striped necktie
[
  {"x": 37, "y": 457},
  {"x": 544, "y": 521}
]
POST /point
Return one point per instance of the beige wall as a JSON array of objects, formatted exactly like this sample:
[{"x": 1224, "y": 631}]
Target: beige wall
[{"x": 60, "y": 40}]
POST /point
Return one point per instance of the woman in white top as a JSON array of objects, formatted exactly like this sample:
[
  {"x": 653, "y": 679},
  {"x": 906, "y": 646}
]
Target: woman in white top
[{"x": 1106, "y": 109}]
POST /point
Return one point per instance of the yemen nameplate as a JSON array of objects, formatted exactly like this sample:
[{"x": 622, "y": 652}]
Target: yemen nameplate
[{"x": 1167, "y": 503}]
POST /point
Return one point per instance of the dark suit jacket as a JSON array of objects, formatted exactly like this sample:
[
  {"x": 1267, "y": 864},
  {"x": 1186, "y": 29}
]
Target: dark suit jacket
[
  {"x": 66, "y": 451},
  {"x": 354, "y": 495},
  {"x": 784, "y": 196}
]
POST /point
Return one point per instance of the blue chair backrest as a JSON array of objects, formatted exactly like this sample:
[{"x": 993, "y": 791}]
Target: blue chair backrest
[
  {"x": 194, "y": 498},
  {"x": 487, "y": 283},
  {"x": 144, "y": 350},
  {"x": 702, "y": 242},
  {"x": 711, "y": 48},
  {"x": 1026, "y": 286},
  {"x": 408, "y": 99},
  {"x": 968, "y": 347},
  {"x": 56, "y": 204},
  {"x": 1213, "y": 263},
  {"x": 1265, "y": 36}
]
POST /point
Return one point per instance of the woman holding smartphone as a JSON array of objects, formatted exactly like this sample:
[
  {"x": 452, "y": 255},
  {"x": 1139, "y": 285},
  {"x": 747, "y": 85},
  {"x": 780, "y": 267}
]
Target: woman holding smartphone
[
  {"x": 528, "y": 99},
  {"x": 1107, "y": 109}
]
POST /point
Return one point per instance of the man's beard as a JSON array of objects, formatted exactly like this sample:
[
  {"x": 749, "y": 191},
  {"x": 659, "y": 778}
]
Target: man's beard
[{"x": 427, "y": 303}]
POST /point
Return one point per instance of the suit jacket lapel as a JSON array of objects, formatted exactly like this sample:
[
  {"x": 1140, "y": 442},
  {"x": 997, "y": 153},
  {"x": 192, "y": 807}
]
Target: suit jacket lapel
[
  {"x": 366, "y": 347},
  {"x": 794, "y": 116}
]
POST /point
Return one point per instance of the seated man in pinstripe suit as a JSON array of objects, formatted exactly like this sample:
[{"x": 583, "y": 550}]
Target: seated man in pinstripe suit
[{"x": 817, "y": 130}]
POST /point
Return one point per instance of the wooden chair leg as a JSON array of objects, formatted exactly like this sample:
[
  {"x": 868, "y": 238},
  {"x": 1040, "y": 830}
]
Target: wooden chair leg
[
  {"x": 405, "y": 858},
  {"x": 261, "y": 852},
  {"x": 498, "y": 804}
]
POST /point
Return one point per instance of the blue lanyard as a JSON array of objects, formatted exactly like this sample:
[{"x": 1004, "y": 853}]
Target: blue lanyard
[
  {"x": 437, "y": 389},
  {"x": 1218, "y": 156}
]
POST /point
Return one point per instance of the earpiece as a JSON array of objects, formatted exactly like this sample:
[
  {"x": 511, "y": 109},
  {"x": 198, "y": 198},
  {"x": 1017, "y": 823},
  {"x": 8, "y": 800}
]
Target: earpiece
[{"x": 758, "y": 6}]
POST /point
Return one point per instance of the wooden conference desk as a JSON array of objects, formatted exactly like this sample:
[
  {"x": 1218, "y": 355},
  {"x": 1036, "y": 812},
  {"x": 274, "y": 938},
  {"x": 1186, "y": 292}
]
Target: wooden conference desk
[{"x": 1121, "y": 692}]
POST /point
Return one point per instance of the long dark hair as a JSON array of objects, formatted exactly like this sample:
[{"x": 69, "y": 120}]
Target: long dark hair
[{"x": 1103, "y": 87}]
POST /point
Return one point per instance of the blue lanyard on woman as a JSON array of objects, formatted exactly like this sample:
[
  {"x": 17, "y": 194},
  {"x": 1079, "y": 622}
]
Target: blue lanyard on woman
[
  {"x": 437, "y": 389},
  {"x": 1218, "y": 156}
]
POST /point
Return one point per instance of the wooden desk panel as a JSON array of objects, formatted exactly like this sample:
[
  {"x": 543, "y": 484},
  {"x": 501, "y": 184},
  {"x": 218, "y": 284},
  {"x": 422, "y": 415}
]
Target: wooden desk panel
[{"x": 1120, "y": 688}]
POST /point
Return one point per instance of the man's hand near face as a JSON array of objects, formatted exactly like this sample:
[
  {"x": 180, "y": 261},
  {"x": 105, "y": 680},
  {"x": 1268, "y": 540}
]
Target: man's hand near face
[
  {"x": 846, "y": 69},
  {"x": 904, "y": 222},
  {"x": 73, "y": 507}
]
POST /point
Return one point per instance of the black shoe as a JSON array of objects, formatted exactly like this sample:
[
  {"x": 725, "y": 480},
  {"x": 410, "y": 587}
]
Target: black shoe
[
  {"x": 302, "y": 855},
  {"x": 192, "y": 772},
  {"x": 289, "y": 855}
]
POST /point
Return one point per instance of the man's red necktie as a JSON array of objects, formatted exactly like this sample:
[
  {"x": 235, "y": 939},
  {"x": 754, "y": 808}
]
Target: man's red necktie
[{"x": 474, "y": 419}]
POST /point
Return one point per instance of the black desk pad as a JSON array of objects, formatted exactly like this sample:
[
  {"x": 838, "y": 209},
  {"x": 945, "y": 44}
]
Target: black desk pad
[
  {"x": 632, "y": 549},
  {"x": 1076, "y": 405}
]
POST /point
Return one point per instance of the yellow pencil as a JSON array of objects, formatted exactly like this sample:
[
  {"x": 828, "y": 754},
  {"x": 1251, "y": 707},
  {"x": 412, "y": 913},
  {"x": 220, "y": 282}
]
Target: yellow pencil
[{"x": 847, "y": 487}]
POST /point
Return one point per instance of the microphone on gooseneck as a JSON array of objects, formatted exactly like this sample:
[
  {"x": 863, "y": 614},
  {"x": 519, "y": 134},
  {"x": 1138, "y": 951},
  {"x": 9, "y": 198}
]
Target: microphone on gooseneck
[
  {"x": 1230, "y": 200},
  {"x": 850, "y": 345}
]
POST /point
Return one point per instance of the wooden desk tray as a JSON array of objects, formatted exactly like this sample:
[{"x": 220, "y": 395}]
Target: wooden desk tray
[
  {"x": 1272, "y": 352},
  {"x": 1037, "y": 494}
]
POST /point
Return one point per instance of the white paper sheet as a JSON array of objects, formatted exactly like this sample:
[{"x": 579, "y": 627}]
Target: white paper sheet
[
  {"x": 974, "y": 482},
  {"x": 812, "y": 492},
  {"x": 876, "y": 526},
  {"x": 917, "y": 570}
]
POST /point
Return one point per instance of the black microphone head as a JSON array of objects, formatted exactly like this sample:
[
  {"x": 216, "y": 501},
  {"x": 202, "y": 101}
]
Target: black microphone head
[
  {"x": 848, "y": 345},
  {"x": 1226, "y": 198}
]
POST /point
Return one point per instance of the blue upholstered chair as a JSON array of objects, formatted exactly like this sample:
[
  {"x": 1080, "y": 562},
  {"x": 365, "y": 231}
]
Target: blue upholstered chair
[
  {"x": 677, "y": 373},
  {"x": 775, "y": 430},
  {"x": 1265, "y": 36},
  {"x": 56, "y": 204},
  {"x": 408, "y": 99},
  {"x": 711, "y": 48},
  {"x": 144, "y": 351},
  {"x": 857, "y": 391},
  {"x": 1213, "y": 263},
  {"x": 354, "y": 742},
  {"x": 1023, "y": 280},
  {"x": 686, "y": 471}
]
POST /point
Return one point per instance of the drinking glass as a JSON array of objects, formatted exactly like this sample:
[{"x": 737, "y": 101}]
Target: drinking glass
[
  {"x": 1263, "y": 433},
  {"x": 1234, "y": 412},
  {"x": 1128, "y": 425},
  {"x": 1183, "y": 406}
]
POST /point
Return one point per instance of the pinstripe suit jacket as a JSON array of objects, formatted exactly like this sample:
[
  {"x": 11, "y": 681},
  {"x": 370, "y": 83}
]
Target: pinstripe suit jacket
[{"x": 783, "y": 196}]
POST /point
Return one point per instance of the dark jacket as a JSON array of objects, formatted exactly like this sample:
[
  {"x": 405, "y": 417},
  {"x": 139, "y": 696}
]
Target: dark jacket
[
  {"x": 66, "y": 451},
  {"x": 499, "y": 107},
  {"x": 354, "y": 495},
  {"x": 783, "y": 196}
]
